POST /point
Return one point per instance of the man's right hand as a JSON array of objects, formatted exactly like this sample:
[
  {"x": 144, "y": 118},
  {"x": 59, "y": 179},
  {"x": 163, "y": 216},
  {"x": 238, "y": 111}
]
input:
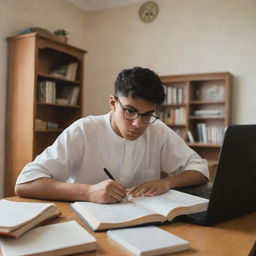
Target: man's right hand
[{"x": 106, "y": 192}]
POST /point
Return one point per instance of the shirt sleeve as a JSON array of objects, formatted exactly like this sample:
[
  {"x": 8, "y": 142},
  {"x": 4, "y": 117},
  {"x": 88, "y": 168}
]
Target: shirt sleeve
[
  {"x": 177, "y": 157},
  {"x": 57, "y": 160}
]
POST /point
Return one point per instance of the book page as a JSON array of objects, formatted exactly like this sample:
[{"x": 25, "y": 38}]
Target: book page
[
  {"x": 166, "y": 202},
  {"x": 13, "y": 214},
  {"x": 112, "y": 213}
]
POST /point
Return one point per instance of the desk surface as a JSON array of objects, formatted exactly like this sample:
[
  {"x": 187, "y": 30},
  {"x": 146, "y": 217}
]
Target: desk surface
[{"x": 234, "y": 237}]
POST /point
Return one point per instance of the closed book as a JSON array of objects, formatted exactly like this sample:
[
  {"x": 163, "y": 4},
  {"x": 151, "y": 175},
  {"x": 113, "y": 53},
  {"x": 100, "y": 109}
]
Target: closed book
[
  {"x": 18, "y": 217},
  {"x": 51, "y": 240},
  {"x": 148, "y": 241},
  {"x": 138, "y": 211}
]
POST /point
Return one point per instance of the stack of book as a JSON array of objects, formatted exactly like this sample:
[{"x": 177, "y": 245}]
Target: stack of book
[
  {"x": 47, "y": 91},
  {"x": 210, "y": 134},
  {"x": 174, "y": 95},
  {"x": 209, "y": 112},
  {"x": 173, "y": 116},
  {"x": 40, "y": 125},
  {"x": 19, "y": 235},
  {"x": 17, "y": 217},
  {"x": 68, "y": 71},
  {"x": 71, "y": 94}
]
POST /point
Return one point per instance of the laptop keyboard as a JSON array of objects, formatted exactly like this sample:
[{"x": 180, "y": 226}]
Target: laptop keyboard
[
  {"x": 198, "y": 216},
  {"x": 200, "y": 190},
  {"x": 205, "y": 192}
]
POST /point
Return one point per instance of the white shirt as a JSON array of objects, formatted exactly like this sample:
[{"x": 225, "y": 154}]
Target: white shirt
[{"x": 79, "y": 154}]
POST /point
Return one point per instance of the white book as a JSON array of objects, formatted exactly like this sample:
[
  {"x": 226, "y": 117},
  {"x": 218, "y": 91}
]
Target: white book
[
  {"x": 148, "y": 241},
  {"x": 51, "y": 240},
  {"x": 74, "y": 70},
  {"x": 141, "y": 210},
  {"x": 190, "y": 136},
  {"x": 74, "y": 96},
  {"x": 18, "y": 217}
]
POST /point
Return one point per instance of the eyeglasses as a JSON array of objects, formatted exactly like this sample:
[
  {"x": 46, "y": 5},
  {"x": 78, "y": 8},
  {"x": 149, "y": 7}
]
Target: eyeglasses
[{"x": 130, "y": 114}]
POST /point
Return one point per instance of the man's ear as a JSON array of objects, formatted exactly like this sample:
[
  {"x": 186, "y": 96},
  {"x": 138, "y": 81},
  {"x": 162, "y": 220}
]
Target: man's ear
[{"x": 112, "y": 102}]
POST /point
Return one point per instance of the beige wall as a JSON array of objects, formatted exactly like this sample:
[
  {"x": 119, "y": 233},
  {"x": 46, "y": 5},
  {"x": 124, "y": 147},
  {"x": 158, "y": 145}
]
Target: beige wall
[
  {"x": 188, "y": 36},
  {"x": 16, "y": 15}
]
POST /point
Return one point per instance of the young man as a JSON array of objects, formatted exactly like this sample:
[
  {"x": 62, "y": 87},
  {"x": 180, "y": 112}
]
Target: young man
[{"x": 130, "y": 142}]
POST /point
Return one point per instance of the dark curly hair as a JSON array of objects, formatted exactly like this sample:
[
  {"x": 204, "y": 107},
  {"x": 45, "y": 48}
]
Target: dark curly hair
[{"x": 140, "y": 82}]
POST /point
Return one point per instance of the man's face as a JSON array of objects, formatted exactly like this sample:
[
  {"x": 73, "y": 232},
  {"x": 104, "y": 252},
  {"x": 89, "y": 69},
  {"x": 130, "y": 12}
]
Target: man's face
[{"x": 129, "y": 129}]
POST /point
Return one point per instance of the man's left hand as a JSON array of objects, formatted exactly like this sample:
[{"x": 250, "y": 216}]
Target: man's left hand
[{"x": 150, "y": 188}]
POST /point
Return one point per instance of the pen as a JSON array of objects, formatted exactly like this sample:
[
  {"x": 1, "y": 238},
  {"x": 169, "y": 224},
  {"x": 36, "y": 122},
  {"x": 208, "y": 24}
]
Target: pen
[
  {"x": 108, "y": 173},
  {"x": 112, "y": 178}
]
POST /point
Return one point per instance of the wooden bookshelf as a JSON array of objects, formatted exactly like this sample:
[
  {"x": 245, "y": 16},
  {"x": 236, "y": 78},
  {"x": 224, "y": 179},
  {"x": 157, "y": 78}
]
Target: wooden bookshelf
[
  {"x": 33, "y": 90},
  {"x": 198, "y": 95}
]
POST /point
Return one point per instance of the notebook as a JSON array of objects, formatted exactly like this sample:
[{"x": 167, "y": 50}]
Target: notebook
[
  {"x": 147, "y": 241},
  {"x": 233, "y": 192},
  {"x": 51, "y": 240}
]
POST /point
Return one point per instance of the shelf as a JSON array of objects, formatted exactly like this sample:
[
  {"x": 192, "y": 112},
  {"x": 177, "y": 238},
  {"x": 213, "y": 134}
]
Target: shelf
[
  {"x": 201, "y": 102},
  {"x": 59, "y": 105},
  {"x": 176, "y": 125},
  {"x": 50, "y": 130},
  {"x": 56, "y": 78},
  {"x": 206, "y": 117},
  {"x": 174, "y": 105},
  {"x": 209, "y": 145}
]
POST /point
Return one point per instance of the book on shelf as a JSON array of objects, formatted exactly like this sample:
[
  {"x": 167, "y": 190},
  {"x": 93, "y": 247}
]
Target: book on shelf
[
  {"x": 40, "y": 124},
  {"x": 190, "y": 137},
  {"x": 138, "y": 211},
  {"x": 209, "y": 112},
  {"x": 148, "y": 241},
  {"x": 68, "y": 71},
  {"x": 63, "y": 238},
  {"x": 174, "y": 95},
  {"x": 71, "y": 93},
  {"x": 47, "y": 91},
  {"x": 172, "y": 116},
  {"x": 18, "y": 217},
  {"x": 210, "y": 134},
  {"x": 62, "y": 101}
]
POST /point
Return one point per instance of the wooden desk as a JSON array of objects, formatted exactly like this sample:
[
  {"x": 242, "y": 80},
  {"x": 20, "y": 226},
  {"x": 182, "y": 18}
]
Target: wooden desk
[{"x": 232, "y": 238}]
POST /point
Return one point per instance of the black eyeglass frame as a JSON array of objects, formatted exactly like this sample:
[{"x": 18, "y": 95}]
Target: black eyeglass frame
[{"x": 137, "y": 114}]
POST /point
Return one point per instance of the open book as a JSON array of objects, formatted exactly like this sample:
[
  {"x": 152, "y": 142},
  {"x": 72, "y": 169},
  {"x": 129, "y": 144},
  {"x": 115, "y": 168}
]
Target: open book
[
  {"x": 18, "y": 217},
  {"x": 63, "y": 238},
  {"x": 137, "y": 211}
]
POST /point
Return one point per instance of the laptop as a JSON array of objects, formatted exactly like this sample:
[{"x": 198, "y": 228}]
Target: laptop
[{"x": 233, "y": 192}]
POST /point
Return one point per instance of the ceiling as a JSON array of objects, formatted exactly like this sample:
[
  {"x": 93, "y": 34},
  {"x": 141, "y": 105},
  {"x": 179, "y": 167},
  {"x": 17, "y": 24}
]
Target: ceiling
[{"x": 98, "y": 5}]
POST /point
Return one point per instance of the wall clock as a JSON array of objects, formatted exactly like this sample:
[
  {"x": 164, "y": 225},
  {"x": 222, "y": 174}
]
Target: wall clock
[{"x": 148, "y": 11}]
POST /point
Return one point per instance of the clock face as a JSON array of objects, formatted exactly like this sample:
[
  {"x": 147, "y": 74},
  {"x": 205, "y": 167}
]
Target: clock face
[{"x": 148, "y": 11}]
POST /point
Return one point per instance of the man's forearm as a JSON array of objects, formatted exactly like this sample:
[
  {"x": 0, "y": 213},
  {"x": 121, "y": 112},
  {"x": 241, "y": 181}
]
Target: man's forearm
[
  {"x": 187, "y": 178},
  {"x": 46, "y": 188}
]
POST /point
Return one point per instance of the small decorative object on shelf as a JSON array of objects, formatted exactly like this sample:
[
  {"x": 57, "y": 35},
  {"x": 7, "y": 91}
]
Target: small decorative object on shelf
[
  {"x": 41, "y": 31},
  {"x": 61, "y": 35},
  {"x": 52, "y": 125}
]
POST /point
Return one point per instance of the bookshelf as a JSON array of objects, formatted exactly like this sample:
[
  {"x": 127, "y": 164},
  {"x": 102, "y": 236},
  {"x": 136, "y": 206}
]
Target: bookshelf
[
  {"x": 198, "y": 108},
  {"x": 45, "y": 79}
]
